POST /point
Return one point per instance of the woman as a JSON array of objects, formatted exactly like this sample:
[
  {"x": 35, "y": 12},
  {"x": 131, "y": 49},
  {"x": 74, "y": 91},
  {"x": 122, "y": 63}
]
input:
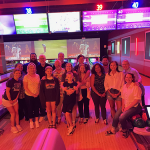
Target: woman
[
  {"x": 113, "y": 84},
  {"x": 98, "y": 91},
  {"x": 69, "y": 68},
  {"x": 21, "y": 98},
  {"x": 131, "y": 97},
  {"x": 84, "y": 95},
  {"x": 10, "y": 99},
  {"x": 31, "y": 84},
  {"x": 50, "y": 95}
]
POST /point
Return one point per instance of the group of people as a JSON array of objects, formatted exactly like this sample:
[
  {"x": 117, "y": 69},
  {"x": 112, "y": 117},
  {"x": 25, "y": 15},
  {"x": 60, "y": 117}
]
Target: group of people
[{"x": 40, "y": 87}]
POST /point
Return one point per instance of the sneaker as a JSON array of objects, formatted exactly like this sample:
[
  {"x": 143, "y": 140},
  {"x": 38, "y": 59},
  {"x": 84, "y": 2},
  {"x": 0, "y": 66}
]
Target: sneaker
[
  {"x": 37, "y": 124},
  {"x": 14, "y": 130},
  {"x": 31, "y": 125},
  {"x": 19, "y": 127},
  {"x": 41, "y": 119},
  {"x": 70, "y": 130}
]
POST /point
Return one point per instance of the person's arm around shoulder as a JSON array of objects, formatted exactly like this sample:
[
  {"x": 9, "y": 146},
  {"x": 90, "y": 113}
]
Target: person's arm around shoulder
[{"x": 92, "y": 79}]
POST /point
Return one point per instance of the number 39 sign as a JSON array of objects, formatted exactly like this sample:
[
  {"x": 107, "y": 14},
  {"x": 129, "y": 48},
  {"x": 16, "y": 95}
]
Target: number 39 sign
[{"x": 99, "y": 7}]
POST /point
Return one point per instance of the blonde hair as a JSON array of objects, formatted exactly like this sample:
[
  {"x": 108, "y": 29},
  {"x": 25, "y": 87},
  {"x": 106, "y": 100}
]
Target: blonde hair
[{"x": 29, "y": 65}]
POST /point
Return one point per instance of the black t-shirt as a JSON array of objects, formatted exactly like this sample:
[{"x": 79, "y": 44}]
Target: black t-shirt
[
  {"x": 14, "y": 86},
  {"x": 63, "y": 65},
  {"x": 50, "y": 89},
  {"x": 41, "y": 70},
  {"x": 70, "y": 86},
  {"x": 87, "y": 67}
]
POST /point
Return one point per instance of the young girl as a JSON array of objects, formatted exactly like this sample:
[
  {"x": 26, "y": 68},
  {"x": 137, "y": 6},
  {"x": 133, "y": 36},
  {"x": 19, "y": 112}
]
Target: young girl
[
  {"x": 10, "y": 99},
  {"x": 70, "y": 88},
  {"x": 84, "y": 96},
  {"x": 50, "y": 95}
]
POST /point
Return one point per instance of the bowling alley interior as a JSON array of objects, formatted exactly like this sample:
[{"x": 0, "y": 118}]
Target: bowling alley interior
[{"x": 117, "y": 31}]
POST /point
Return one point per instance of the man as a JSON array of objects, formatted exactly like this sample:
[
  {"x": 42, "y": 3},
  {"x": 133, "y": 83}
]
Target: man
[
  {"x": 61, "y": 58},
  {"x": 41, "y": 72},
  {"x": 41, "y": 66},
  {"x": 58, "y": 72},
  {"x": 44, "y": 47},
  {"x": 33, "y": 58},
  {"x": 138, "y": 79},
  {"x": 105, "y": 63}
]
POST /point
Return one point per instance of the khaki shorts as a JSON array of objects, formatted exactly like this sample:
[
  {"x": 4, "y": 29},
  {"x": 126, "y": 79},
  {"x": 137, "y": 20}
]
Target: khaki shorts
[{"x": 6, "y": 103}]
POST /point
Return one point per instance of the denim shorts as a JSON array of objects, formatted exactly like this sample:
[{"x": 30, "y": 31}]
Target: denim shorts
[{"x": 114, "y": 91}]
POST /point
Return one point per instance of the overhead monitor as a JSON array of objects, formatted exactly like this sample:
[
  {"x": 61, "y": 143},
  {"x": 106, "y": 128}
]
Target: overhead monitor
[
  {"x": 50, "y": 48},
  {"x": 133, "y": 18},
  {"x": 86, "y": 47},
  {"x": 64, "y": 22},
  {"x": 17, "y": 50},
  {"x": 31, "y": 23},
  {"x": 99, "y": 20},
  {"x": 7, "y": 25}
]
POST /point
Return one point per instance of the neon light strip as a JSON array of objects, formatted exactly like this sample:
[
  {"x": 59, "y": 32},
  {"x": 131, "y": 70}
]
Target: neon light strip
[
  {"x": 118, "y": 47},
  {"x": 125, "y": 48},
  {"x": 136, "y": 47},
  {"x": 149, "y": 51}
]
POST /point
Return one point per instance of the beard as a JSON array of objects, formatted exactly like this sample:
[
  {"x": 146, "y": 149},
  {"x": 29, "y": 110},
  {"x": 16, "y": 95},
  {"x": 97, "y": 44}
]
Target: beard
[
  {"x": 34, "y": 61},
  {"x": 105, "y": 64}
]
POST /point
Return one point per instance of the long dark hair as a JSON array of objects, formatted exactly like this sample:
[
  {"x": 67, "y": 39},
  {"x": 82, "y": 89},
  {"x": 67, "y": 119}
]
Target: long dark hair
[
  {"x": 79, "y": 72},
  {"x": 71, "y": 67},
  {"x": 133, "y": 77},
  {"x": 110, "y": 69},
  {"x": 102, "y": 69}
]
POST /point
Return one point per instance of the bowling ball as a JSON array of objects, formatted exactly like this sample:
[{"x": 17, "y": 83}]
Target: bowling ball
[
  {"x": 139, "y": 122},
  {"x": 135, "y": 117},
  {"x": 148, "y": 122}
]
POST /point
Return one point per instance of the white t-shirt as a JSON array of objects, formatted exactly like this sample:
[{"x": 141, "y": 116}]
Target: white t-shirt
[
  {"x": 130, "y": 94},
  {"x": 33, "y": 84},
  {"x": 115, "y": 81}
]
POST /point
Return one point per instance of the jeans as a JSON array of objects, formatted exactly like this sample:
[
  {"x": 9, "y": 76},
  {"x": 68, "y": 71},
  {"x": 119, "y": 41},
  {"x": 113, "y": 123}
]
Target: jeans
[
  {"x": 123, "y": 116},
  {"x": 84, "y": 101},
  {"x": 99, "y": 101}
]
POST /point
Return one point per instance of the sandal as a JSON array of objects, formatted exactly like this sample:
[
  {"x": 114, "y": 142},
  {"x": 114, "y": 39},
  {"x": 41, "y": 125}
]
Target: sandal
[
  {"x": 81, "y": 121},
  {"x": 54, "y": 126},
  {"x": 125, "y": 134},
  {"x": 50, "y": 126},
  {"x": 97, "y": 121},
  {"x": 109, "y": 132},
  {"x": 105, "y": 122},
  {"x": 85, "y": 120}
]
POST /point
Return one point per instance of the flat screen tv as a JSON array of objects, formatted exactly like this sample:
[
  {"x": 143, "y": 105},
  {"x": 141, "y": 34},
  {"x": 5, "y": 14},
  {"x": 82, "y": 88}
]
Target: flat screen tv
[
  {"x": 133, "y": 18},
  {"x": 7, "y": 25},
  {"x": 99, "y": 20},
  {"x": 64, "y": 22},
  {"x": 18, "y": 50},
  {"x": 31, "y": 23}
]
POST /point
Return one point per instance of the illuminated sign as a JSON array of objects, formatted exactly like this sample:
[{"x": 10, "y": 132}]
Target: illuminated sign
[{"x": 99, "y": 7}]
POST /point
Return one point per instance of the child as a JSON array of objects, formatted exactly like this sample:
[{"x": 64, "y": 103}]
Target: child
[
  {"x": 50, "y": 95},
  {"x": 84, "y": 95},
  {"x": 70, "y": 88},
  {"x": 10, "y": 99}
]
